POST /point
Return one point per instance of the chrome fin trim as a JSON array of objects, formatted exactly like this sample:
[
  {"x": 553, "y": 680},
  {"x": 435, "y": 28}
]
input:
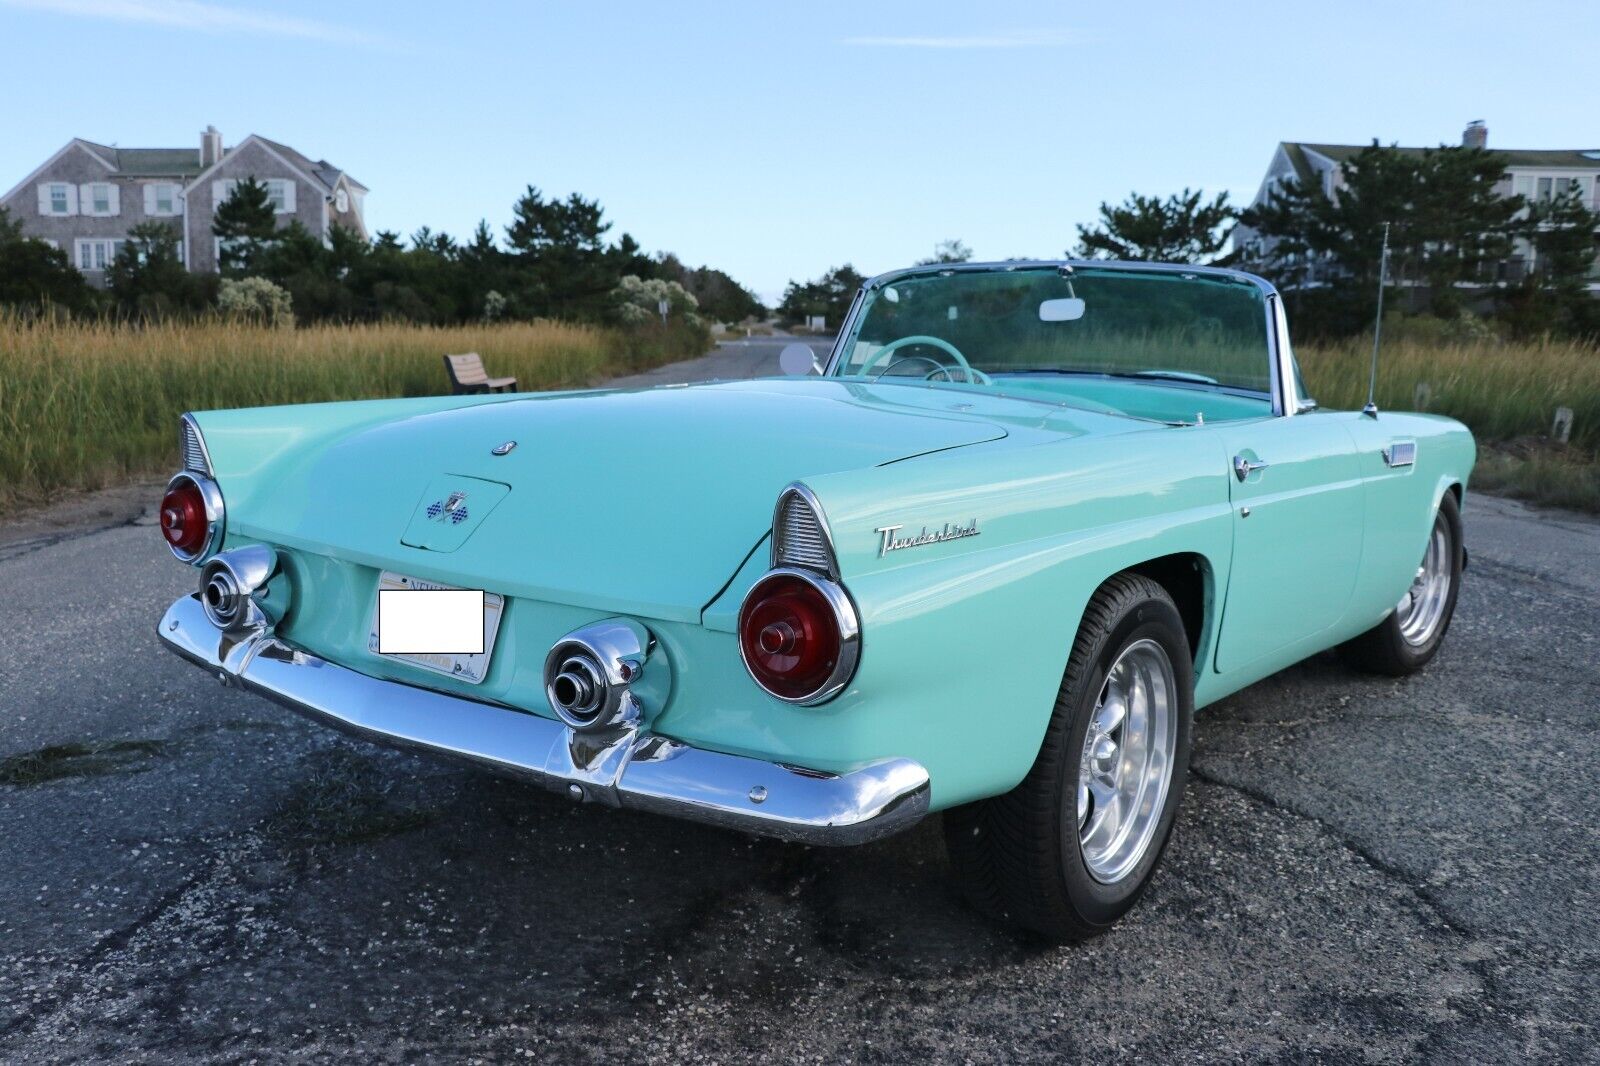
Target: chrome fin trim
[
  {"x": 192, "y": 447},
  {"x": 800, "y": 533}
]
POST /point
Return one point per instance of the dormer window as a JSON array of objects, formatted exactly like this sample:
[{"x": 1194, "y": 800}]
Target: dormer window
[{"x": 341, "y": 200}]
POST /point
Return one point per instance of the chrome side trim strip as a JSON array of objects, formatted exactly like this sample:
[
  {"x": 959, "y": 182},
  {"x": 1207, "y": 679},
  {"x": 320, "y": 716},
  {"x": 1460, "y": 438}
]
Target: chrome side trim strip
[{"x": 621, "y": 768}]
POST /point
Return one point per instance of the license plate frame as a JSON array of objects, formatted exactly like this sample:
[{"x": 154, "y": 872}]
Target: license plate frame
[{"x": 470, "y": 668}]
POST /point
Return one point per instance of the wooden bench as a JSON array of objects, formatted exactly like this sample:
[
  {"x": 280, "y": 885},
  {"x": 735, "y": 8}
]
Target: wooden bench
[{"x": 467, "y": 375}]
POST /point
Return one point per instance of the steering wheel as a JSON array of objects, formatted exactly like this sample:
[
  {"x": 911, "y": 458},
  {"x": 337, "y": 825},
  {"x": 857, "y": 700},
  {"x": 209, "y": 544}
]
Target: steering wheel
[{"x": 976, "y": 376}]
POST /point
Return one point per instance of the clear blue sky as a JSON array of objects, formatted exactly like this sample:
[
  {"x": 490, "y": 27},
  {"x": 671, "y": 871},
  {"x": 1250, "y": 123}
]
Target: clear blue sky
[{"x": 774, "y": 141}]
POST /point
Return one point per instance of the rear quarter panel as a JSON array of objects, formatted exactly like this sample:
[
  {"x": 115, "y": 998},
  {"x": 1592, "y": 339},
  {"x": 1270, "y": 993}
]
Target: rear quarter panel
[{"x": 964, "y": 642}]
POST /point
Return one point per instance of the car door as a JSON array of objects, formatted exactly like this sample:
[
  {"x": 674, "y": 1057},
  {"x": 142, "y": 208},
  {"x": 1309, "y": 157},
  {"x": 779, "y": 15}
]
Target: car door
[{"x": 1298, "y": 524}]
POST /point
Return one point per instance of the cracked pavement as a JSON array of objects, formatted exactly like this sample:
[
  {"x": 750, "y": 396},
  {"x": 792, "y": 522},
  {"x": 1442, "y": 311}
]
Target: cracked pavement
[{"x": 1364, "y": 869}]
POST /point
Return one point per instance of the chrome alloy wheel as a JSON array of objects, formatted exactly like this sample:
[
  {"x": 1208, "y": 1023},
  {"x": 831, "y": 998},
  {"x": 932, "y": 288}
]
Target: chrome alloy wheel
[
  {"x": 1126, "y": 766},
  {"x": 1422, "y": 607}
]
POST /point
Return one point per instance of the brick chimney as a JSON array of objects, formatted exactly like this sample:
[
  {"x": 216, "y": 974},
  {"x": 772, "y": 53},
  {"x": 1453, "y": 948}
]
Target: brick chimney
[
  {"x": 210, "y": 146},
  {"x": 1476, "y": 135}
]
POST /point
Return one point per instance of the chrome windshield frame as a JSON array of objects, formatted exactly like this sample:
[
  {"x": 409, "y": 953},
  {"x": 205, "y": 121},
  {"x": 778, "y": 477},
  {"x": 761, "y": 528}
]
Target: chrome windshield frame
[{"x": 1280, "y": 355}]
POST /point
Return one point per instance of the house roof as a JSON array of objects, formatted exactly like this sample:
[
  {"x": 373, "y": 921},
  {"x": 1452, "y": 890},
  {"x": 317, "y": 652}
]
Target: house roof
[
  {"x": 148, "y": 162},
  {"x": 185, "y": 162},
  {"x": 320, "y": 169},
  {"x": 1579, "y": 158}
]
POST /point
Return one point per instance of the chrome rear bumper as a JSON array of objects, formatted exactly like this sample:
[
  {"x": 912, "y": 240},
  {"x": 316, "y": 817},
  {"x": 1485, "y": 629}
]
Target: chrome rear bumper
[{"x": 627, "y": 768}]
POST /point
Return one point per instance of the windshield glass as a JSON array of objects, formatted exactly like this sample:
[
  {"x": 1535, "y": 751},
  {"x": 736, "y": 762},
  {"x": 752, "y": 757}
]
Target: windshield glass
[{"x": 1196, "y": 330}]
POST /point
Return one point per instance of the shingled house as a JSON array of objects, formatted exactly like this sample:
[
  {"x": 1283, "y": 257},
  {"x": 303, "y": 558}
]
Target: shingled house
[
  {"x": 86, "y": 197},
  {"x": 1537, "y": 174}
]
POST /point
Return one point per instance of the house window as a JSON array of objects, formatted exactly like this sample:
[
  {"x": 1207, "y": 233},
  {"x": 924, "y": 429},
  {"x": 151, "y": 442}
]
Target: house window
[
  {"x": 60, "y": 198},
  {"x": 97, "y": 253},
  {"x": 163, "y": 199},
  {"x": 278, "y": 194},
  {"x": 341, "y": 201},
  {"x": 1542, "y": 188},
  {"x": 100, "y": 199}
]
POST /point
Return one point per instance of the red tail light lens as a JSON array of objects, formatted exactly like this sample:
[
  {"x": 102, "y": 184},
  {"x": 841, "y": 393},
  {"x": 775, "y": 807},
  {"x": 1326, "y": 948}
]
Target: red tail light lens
[
  {"x": 798, "y": 636},
  {"x": 183, "y": 517}
]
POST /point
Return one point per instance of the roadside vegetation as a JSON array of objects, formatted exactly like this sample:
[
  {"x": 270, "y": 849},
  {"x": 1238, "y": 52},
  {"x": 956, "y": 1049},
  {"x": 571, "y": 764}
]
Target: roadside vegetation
[
  {"x": 555, "y": 260},
  {"x": 85, "y": 404},
  {"x": 1507, "y": 392}
]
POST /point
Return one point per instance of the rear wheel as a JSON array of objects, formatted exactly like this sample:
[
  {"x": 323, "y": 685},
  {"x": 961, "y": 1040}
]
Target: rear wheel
[
  {"x": 1410, "y": 636},
  {"x": 1069, "y": 850}
]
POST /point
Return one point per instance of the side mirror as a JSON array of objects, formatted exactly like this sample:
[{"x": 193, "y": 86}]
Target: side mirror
[
  {"x": 797, "y": 360},
  {"x": 1066, "y": 309}
]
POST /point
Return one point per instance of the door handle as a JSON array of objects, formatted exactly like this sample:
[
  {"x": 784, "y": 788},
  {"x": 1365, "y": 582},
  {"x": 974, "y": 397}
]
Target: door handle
[{"x": 1243, "y": 468}]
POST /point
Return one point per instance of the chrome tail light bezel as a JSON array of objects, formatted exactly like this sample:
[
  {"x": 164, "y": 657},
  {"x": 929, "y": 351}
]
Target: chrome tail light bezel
[
  {"x": 211, "y": 495},
  {"x": 845, "y": 617},
  {"x": 803, "y": 548}
]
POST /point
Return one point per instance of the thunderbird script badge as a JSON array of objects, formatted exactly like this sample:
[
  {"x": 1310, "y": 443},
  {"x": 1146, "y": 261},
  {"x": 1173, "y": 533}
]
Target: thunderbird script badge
[{"x": 892, "y": 543}]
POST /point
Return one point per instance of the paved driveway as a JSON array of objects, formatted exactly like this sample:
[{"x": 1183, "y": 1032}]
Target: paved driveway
[{"x": 1365, "y": 869}]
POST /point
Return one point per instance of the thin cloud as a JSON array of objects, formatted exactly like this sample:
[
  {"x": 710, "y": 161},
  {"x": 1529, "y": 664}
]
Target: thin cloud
[
  {"x": 1016, "y": 39},
  {"x": 200, "y": 17}
]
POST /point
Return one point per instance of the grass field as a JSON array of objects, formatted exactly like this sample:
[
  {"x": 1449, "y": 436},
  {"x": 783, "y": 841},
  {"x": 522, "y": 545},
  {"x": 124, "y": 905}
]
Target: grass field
[
  {"x": 1502, "y": 390},
  {"x": 83, "y": 405},
  {"x": 1507, "y": 393}
]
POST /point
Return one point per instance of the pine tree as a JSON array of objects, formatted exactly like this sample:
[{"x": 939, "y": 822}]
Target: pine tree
[
  {"x": 243, "y": 223},
  {"x": 1184, "y": 228}
]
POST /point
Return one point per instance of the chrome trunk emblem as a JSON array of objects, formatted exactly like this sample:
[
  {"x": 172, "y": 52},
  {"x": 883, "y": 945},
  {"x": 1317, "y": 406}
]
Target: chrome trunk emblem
[
  {"x": 503, "y": 449},
  {"x": 453, "y": 508}
]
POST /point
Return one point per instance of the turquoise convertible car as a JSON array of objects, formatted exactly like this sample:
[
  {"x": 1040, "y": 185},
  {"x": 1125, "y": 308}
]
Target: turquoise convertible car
[{"x": 987, "y": 560}]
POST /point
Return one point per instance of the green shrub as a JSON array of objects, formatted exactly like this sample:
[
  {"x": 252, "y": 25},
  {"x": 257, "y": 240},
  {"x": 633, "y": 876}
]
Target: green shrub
[{"x": 255, "y": 300}]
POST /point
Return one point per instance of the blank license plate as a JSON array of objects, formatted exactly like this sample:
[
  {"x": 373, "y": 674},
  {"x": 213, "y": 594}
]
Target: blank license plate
[{"x": 407, "y": 602}]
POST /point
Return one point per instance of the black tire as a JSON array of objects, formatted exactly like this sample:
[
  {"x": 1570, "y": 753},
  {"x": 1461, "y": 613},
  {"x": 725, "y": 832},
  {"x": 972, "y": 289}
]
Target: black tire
[
  {"x": 1017, "y": 856},
  {"x": 1383, "y": 649}
]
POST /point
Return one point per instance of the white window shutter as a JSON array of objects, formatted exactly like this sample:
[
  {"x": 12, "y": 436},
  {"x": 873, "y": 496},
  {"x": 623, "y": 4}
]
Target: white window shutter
[
  {"x": 116, "y": 200},
  {"x": 150, "y": 199},
  {"x": 288, "y": 196},
  {"x": 72, "y": 199},
  {"x": 44, "y": 199},
  {"x": 85, "y": 199}
]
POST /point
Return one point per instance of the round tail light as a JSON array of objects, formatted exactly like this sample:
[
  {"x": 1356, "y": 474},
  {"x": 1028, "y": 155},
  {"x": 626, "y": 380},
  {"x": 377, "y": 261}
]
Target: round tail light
[
  {"x": 798, "y": 636},
  {"x": 189, "y": 516}
]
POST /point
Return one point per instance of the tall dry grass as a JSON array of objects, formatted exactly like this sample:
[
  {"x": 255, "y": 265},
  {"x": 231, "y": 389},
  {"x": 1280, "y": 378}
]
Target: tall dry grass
[
  {"x": 1500, "y": 390},
  {"x": 86, "y": 404}
]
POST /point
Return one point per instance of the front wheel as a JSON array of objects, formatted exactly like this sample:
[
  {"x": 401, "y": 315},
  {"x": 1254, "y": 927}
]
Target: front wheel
[
  {"x": 1410, "y": 636},
  {"x": 1069, "y": 850}
]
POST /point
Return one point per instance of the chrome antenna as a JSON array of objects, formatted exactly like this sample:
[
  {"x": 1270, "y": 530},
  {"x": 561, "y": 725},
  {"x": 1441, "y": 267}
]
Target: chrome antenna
[{"x": 1371, "y": 410}]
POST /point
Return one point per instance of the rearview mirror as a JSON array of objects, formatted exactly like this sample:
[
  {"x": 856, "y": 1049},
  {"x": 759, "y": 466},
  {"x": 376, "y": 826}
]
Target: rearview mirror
[
  {"x": 1066, "y": 309},
  {"x": 797, "y": 360}
]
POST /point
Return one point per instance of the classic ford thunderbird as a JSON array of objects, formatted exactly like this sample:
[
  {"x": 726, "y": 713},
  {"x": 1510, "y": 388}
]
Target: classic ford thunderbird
[{"x": 987, "y": 560}]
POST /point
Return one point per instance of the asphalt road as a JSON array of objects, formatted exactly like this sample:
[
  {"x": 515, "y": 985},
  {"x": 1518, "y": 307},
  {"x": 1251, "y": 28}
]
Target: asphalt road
[{"x": 1364, "y": 870}]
